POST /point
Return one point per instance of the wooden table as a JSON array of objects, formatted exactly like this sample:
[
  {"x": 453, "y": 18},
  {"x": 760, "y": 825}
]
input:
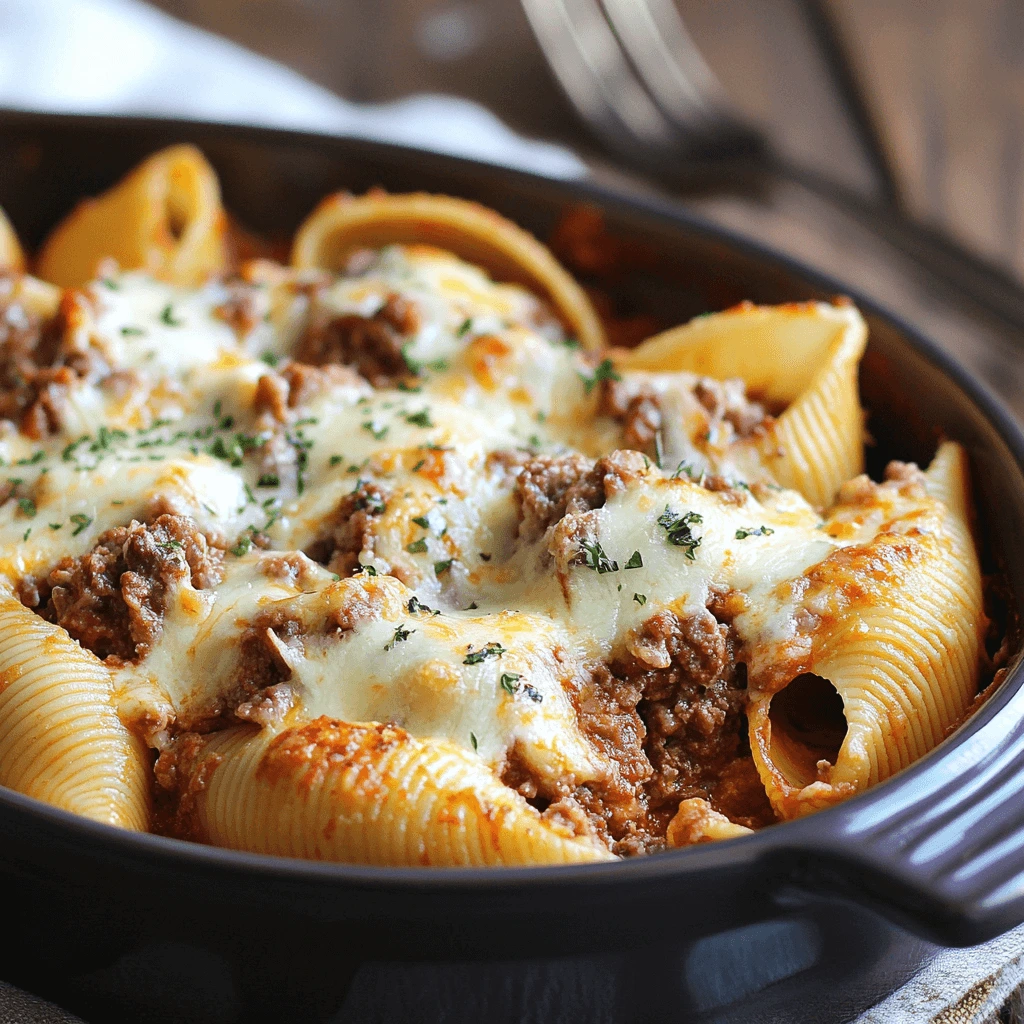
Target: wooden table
[{"x": 943, "y": 83}]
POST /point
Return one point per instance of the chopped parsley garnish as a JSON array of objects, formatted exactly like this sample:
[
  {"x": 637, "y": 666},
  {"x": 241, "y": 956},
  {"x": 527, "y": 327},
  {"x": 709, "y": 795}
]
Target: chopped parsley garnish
[
  {"x": 594, "y": 557},
  {"x": 422, "y": 521},
  {"x": 636, "y": 561},
  {"x": 270, "y": 358},
  {"x": 419, "y": 465},
  {"x": 402, "y": 386},
  {"x": 268, "y": 480},
  {"x": 749, "y": 531},
  {"x": 533, "y": 693},
  {"x": 465, "y": 327},
  {"x": 172, "y": 545},
  {"x": 27, "y": 507},
  {"x": 416, "y": 605},
  {"x": 167, "y": 316},
  {"x": 335, "y": 459},
  {"x": 605, "y": 370},
  {"x": 401, "y": 633},
  {"x": 417, "y": 546},
  {"x": 379, "y": 433},
  {"x": 243, "y": 547},
  {"x": 489, "y": 650},
  {"x": 420, "y": 419},
  {"x": 678, "y": 528},
  {"x": 109, "y": 282},
  {"x": 27, "y": 534},
  {"x": 132, "y": 332},
  {"x": 534, "y": 441},
  {"x": 81, "y": 521},
  {"x": 69, "y": 452},
  {"x": 440, "y": 568},
  {"x": 641, "y": 599},
  {"x": 56, "y": 526},
  {"x": 474, "y": 741},
  {"x": 369, "y": 570},
  {"x": 508, "y": 681}
]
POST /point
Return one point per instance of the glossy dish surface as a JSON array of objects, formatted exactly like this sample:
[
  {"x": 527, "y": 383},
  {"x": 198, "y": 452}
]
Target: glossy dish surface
[{"x": 386, "y": 556}]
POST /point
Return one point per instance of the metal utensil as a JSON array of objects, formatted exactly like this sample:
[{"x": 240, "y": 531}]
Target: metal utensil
[{"x": 635, "y": 76}]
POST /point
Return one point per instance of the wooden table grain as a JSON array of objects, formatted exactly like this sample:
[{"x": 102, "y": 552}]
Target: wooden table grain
[{"x": 943, "y": 81}]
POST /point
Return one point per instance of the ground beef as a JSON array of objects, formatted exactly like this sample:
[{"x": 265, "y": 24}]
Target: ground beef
[
  {"x": 243, "y": 309},
  {"x": 693, "y": 707},
  {"x": 37, "y": 369},
  {"x": 550, "y": 488},
  {"x": 351, "y": 529},
  {"x": 112, "y": 600},
  {"x": 639, "y": 412},
  {"x": 370, "y": 345},
  {"x": 295, "y": 385},
  {"x": 727, "y": 401}
]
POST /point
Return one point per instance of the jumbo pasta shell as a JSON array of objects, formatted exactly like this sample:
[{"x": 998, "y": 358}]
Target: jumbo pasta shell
[
  {"x": 11, "y": 256},
  {"x": 366, "y": 793},
  {"x": 905, "y": 668},
  {"x": 343, "y": 223},
  {"x": 802, "y": 356},
  {"x": 165, "y": 217},
  {"x": 61, "y": 740}
]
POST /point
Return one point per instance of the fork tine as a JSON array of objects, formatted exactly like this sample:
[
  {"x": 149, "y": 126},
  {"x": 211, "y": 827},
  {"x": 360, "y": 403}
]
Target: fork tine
[
  {"x": 671, "y": 67},
  {"x": 592, "y": 69}
]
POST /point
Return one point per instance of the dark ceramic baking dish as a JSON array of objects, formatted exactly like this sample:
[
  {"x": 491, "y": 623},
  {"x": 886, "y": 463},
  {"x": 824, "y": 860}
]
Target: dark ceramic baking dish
[{"x": 808, "y": 921}]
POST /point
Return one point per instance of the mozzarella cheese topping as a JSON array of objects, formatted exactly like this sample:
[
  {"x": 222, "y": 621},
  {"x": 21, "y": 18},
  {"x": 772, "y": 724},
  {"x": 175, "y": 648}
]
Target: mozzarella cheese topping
[{"x": 470, "y": 630}]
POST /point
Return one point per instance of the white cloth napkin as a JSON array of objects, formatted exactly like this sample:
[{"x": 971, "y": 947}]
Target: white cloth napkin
[{"x": 124, "y": 57}]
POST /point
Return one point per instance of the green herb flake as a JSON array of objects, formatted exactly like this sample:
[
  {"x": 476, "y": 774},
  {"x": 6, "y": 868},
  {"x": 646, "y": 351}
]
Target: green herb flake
[
  {"x": 750, "y": 531},
  {"x": 594, "y": 557},
  {"x": 56, "y": 526},
  {"x": 636, "y": 561},
  {"x": 379, "y": 433},
  {"x": 334, "y": 460},
  {"x": 417, "y": 546},
  {"x": 440, "y": 568},
  {"x": 172, "y": 545},
  {"x": 420, "y": 419},
  {"x": 465, "y": 327},
  {"x": 419, "y": 465},
  {"x": 605, "y": 370},
  {"x": 269, "y": 480},
  {"x": 270, "y": 358},
  {"x": 508, "y": 682},
  {"x": 81, "y": 521},
  {"x": 132, "y": 332},
  {"x": 641, "y": 599},
  {"x": 27, "y": 507},
  {"x": 474, "y": 741},
  {"x": 367, "y": 570},
  {"x": 243, "y": 547},
  {"x": 401, "y": 634},
  {"x": 422, "y": 521},
  {"x": 416, "y": 605},
  {"x": 677, "y": 526},
  {"x": 490, "y": 650},
  {"x": 167, "y": 316}
]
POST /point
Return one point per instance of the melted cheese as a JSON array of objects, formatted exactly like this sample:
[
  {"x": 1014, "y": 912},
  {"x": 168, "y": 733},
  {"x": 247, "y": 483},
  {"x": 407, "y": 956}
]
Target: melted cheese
[{"x": 171, "y": 424}]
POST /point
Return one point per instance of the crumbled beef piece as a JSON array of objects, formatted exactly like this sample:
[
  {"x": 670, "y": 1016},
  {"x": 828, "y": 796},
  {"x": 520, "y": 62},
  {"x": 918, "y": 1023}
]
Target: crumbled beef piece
[
  {"x": 289, "y": 567},
  {"x": 549, "y": 488},
  {"x": 182, "y": 771},
  {"x": 351, "y": 530},
  {"x": 639, "y": 412},
  {"x": 295, "y": 385},
  {"x": 112, "y": 599},
  {"x": 37, "y": 369},
  {"x": 370, "y": 345},
  {"x": 269, "y": 706},
  {"x": 727, "y": 401},
  {"x": 693, "y": 706},
  {"x": 243, "y": 309}
]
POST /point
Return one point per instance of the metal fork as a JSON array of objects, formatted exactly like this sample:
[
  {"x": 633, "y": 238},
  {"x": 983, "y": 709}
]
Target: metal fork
[{"x": 634, "y": 75}]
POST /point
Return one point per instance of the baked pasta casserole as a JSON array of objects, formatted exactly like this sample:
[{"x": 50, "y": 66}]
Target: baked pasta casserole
[{"x": 384, "y": 555}]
